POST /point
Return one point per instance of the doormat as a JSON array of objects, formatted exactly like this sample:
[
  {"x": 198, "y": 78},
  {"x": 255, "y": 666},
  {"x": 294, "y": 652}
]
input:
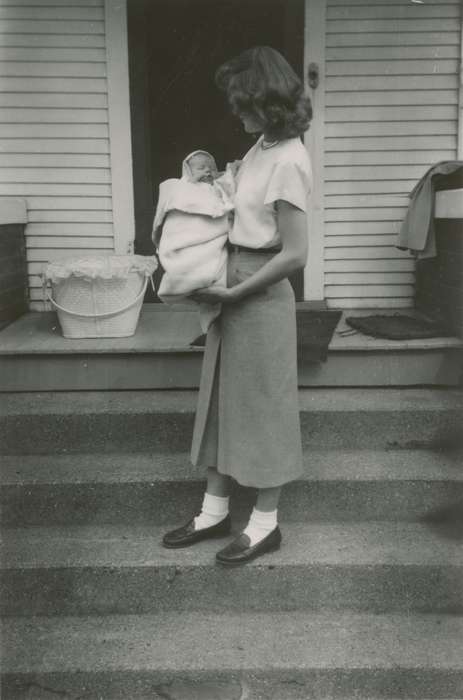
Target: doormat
[
  {"x": 398, "y": 327},
  {"x": 314, "y": 332}
]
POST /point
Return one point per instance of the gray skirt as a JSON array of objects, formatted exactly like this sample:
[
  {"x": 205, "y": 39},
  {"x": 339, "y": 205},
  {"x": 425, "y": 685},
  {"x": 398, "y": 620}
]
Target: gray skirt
[{"x": 247, "y": 420}]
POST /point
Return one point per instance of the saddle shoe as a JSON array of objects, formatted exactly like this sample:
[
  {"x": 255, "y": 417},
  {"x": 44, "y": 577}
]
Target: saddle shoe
[
  {"x": 239, "y": 551},
  {"x": 187, "y": 535}
]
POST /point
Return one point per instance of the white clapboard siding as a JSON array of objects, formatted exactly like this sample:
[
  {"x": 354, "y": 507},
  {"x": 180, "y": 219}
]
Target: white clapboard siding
[
  {"x": 366, "y": 200},
  {"x": 388, "y": 12},
  {"x": 363, "y": 253},
  {"x": 54, "y": 145},
  {"x": 63, "y": 230},
  {"x": 363, "y": 214},
  {"x": 13, "y": 11},
  {"x": 390, "y": 98},
  {"x": 350, "y": 228},
  {"x": 87, "y": 216},
  {"x": 54, "y": 160},
  {"x": 37, "y": 53},
  {"x": 57, "y": 243},
  {"x": 66, "y": 204},
  {"x": 389, "y": 82},
  {"x": 390, "y": 128},
  {"x": 35, "y": 282},
  {"x": 53, "y": 26},
  {"x": 411, "y": 142},
  {"x": 391, "y": 111},
  {"x": 341, "y": 3},
  {"x": 43, "y": 69},
  {"x": 53, "y": 99},
  {"x": 396, "y": 157},
  {"x": 54, "y": 131},
  {"x": 54, "y": 127},
  {"x": 43, "y": 255},
  {"x": 366, "y": 302},
  {"x": 360, "y": 241},
  {"x": 391, "y": 53},
  {"x": 428, "y": 38},
  {"x": 372, "y": 172},
  {"x": 52, "y": 3},
  {"x": 389, "y": 24},
  {"x": 363, "y": 267},
  {"x": 52, "y": 116},
  {"x": 391, "y": 67},
  {"x": 359, "y": 187},
  {"x": 18, "y": 39},
  {"x": 55, "y": 175},
  {"x": 374, "y": 290},
  {"x": 53, "y": 190},
  {"x": 359, "y": 278}
]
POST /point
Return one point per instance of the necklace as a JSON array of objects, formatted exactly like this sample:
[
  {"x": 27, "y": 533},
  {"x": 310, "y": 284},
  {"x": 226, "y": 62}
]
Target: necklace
[{"x": 266, "y": 145}]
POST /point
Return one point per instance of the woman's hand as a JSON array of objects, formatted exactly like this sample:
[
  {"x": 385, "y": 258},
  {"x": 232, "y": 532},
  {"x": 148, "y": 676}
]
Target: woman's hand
[
  {"x": 234, "y": 167},
  {"x": 292, "y": 224},
  {"x": 214, "y": 295}
]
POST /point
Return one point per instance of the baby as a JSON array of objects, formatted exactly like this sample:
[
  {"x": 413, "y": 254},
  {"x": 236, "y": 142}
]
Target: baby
[
  {"x": 190, "y": 231},
  {"x": 202, "y": 167}
]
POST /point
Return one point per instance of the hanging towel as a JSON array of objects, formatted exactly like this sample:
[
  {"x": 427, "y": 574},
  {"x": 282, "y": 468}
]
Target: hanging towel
[{"x": 417, "y": 231}]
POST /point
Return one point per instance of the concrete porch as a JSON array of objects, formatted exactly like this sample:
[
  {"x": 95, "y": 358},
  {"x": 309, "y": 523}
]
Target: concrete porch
[{"x": 35, "y": 357}]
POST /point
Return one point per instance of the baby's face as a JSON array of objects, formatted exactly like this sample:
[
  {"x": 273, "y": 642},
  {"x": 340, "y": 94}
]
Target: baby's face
[{"x": 202, "y": 168}]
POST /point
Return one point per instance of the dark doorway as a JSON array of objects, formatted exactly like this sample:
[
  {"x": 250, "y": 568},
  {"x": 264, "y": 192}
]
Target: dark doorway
[{"x": 174, "y": 48}]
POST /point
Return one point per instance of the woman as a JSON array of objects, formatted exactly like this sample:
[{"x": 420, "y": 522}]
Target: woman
[{"x": 247, "y": 422}]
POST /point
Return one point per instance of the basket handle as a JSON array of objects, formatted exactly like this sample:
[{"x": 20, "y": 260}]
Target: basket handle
[{"x": 104, "y": 314}]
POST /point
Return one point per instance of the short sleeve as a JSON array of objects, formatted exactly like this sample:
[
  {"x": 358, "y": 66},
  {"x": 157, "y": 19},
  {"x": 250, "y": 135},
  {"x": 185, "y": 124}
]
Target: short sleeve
[{"x": 289, "y": 181}]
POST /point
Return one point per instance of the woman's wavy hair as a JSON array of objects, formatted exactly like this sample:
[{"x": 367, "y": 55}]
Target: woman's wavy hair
[{"x": 261, "y": 82}]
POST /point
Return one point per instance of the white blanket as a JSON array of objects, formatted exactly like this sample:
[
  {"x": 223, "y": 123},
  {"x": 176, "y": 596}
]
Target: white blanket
[{"x": 194, "y": 220}]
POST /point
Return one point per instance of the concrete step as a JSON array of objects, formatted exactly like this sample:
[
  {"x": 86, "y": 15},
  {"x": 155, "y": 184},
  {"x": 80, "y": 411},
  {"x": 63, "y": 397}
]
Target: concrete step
[
  {"x": 140, "y": 488},
  {"x": 419, "y": 365},
  {"x": 377, "y": 567},
  {"x": 35, "y": 357},
  {"x": 276, "y": 656},
  {"x": 161, "y": 421}
]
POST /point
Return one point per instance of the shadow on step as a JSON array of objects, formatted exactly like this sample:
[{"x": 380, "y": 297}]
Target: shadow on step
[{"x": 446, "y": 521}]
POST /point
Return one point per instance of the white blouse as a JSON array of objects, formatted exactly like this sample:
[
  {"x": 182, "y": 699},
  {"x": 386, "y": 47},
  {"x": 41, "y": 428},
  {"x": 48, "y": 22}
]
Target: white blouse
[{"x": 266, "y": 175}]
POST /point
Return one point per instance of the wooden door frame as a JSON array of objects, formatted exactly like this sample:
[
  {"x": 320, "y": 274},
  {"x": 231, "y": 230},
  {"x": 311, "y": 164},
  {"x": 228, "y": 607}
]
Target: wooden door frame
[
  {"x": 314, "y": 52},
  {"x": 120, "y": 148},
  {"x": 460, "y": 95}
]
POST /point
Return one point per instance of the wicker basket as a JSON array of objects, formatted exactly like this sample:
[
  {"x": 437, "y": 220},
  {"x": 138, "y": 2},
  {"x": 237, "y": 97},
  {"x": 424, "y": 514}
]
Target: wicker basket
[{"x": 99, "y": 297}]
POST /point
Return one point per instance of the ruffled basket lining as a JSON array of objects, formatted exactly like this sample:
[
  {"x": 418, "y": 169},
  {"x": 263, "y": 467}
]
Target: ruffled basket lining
[{"x": 100, "y": 267}]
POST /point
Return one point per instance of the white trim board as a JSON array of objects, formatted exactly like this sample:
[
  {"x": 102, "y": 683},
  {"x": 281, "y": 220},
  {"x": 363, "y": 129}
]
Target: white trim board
[
  {"x": 117, "y": 58},
  {"x": 449, "y": 204},
  {"x": 314, "y": 52},
  {"x": 460, "y": 94},
  {"x": 13, "y": 211}
]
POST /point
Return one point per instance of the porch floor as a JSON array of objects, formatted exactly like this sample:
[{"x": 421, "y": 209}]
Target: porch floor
[
  {"x": 35, "y": 356},
  {"x": 165, "y": 329}
]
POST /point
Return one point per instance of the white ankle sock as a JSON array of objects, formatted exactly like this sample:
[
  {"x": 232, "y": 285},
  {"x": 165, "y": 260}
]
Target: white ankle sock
[
  {"x": 215, "y": 509},
  {"x": 261, "y": 523}
]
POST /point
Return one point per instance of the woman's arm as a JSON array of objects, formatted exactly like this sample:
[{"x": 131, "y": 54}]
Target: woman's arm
[{"x": 292, "y": 225}]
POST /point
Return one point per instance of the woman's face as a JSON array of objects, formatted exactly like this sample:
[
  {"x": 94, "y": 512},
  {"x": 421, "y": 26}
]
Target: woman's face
[{"x": 251, "y": 123}]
